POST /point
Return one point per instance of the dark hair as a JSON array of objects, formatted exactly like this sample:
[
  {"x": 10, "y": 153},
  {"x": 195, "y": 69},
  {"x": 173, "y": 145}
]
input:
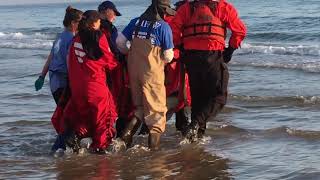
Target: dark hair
[
  {"x": 71, "y": 15},
  {"x": 88, "y": 18},
  {"x": 89, "y": 37}
]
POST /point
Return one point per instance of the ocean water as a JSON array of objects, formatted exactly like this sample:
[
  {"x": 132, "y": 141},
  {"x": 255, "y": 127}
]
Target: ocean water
[{"x": 270, "y": 128}]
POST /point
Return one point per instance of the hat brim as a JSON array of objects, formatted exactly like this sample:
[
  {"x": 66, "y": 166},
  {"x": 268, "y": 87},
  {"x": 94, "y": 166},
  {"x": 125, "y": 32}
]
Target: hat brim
[
  {"x": 117, "y": 12},
  {"x": 114, "y": 10}
]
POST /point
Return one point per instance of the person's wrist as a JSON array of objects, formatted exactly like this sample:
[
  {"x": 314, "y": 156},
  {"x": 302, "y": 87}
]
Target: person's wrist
[{"x": 230, "y": 49}]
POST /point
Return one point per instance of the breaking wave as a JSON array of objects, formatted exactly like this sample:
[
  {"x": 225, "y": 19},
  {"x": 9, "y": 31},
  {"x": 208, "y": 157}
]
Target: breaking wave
[
  {"x": 282, "y": 131},
  {"x": 292, "y": 100},
  {"x": 292, "y": 132},
  {"x": 312, "y": 67},
  {"x": 280, "y": 49},
  {"x": 18, "y": 40}
]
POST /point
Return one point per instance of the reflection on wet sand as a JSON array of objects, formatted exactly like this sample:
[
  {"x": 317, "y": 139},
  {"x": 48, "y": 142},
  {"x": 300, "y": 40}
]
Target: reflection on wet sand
[
  {"x": 188, "y": 162},
  {"x": 87, "y": 167}
]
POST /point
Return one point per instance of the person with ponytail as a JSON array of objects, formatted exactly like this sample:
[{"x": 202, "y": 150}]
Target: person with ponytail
[
  {"x": 91, "y": 111},
  {"x": 56, "y": 62}
]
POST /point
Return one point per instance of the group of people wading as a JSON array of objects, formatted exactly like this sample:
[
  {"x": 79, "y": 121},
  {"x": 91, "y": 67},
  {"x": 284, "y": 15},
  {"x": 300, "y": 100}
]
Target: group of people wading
[{"x": 108, "y": 84}]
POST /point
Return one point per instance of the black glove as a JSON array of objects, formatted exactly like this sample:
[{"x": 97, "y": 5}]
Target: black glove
[
  {"x": 122, "y": 58},
  {"x": 227, "y": 54}
]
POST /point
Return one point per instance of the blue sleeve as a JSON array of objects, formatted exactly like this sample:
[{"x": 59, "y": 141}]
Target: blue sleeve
[
  {"x": 64, "y": 45},
  {"x": 69, "y": 43},
  {"x": 166, "y": 38},
  {"x": 68, "y": 48},
  {"x": 52, "y": 49},
  {"x": 54, "y": 44},
  {"x": 128, "y": 30}
]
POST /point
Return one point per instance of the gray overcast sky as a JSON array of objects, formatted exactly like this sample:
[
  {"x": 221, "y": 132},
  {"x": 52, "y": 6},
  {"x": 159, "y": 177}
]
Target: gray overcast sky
[{"x": 12, "y": 2}]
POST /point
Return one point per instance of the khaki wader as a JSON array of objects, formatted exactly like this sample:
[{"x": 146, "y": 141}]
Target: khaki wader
[{"x": 146, "y": 76}]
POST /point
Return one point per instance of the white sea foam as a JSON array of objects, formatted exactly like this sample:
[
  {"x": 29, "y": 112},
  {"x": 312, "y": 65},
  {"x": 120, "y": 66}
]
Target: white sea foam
[
  {"x": 20, "y": 35},
  {"x": 298, "y": 99},
  {"x": 313, "y": 67},
  {"x": 301, "y": 50},
  {"x": 25, "y": 45},
  {"x": 18, "y": 40}
]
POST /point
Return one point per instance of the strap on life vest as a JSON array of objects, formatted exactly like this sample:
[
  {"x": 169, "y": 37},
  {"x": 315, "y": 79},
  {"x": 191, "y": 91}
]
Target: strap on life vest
[
  {"x": 206, "y": 28},
  {"x": 209, "y": 32}
]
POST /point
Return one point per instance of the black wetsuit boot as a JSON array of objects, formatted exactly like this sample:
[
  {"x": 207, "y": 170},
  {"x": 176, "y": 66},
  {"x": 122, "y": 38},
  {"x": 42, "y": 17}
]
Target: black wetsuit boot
[
  {"x": 191, "y": 132},
  {"x": 120, "y": 125},
  {"x": 144, "y": 129},
  {"x": 181, "y": 121},
  {"x": 73, "y": 141}
]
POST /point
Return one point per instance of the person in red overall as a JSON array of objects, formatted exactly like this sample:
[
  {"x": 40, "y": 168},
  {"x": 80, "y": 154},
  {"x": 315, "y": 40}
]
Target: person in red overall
[
  {"x": 118, "y": 80},
  {"x": 91, "y": 111},
  {"x": 200, "y": 27},
  {"x": 177, "y": 84},
  {"x": 178, "y": 91}
]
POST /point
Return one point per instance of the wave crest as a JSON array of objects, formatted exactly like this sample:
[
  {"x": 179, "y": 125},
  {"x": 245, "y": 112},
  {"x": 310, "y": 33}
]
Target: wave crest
[
  {"x": 292, "y": 132},
  {"x": 18, "y": 40},
  {"x": 293, "y": 100},
  {"x": 300, "y": 50}
]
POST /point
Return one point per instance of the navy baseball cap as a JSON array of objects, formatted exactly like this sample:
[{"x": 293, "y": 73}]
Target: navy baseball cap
[{"x": 108, "y": 5}]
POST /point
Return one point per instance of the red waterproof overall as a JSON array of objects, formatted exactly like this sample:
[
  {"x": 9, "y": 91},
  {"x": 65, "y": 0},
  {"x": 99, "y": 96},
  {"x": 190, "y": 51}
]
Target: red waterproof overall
[{"x": 91, "y": 111}]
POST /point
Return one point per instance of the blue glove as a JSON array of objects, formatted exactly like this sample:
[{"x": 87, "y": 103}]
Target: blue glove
[{"x": 39, "y": 83}]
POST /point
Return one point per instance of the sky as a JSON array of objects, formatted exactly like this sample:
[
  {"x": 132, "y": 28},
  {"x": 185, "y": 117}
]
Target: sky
[{"x": 20, "y": 2}]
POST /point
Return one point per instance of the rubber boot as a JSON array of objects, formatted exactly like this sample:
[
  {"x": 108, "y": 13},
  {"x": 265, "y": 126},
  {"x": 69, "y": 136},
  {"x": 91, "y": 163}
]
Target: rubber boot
[
  {"x": 213, "y": 113},
  {"x": 73, "y": 142},
  {"x": 144, "y": 129},
  {"x": 201, "y": 133},
  {"x": 154, "y": 141},
  {"x": 59, "y": 143},
  {"x": 130, "y": 129},
  {"x": 120, "y": 125},
  {"x": 181, "y": 121}
]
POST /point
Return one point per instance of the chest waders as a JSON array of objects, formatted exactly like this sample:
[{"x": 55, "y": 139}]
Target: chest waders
[{"x": 146, "y": 78}]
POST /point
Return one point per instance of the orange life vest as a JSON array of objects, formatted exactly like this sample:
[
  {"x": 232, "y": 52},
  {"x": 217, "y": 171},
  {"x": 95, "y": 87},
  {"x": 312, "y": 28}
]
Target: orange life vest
[{"x": 204, "y": 24}]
